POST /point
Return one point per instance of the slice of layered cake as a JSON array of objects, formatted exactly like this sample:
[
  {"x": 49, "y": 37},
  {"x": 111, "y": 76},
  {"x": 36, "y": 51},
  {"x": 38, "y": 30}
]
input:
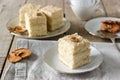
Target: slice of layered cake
[
  {"x": 74, "y": 51},
  {"x": 22, "y": 12},
  {"x": 25, "y": 9},
  {"x": 54, "y": 17},
  {"x": 36, "y": 23}
]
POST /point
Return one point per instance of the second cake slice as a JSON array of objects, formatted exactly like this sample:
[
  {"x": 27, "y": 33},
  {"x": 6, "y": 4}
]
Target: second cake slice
[
  {"x": 36, "y": 23},
  {"x": 54, "y": 17}
]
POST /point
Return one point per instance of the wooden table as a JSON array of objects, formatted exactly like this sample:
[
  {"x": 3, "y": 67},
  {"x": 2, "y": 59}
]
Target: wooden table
[{"x": 10, "y": 8}]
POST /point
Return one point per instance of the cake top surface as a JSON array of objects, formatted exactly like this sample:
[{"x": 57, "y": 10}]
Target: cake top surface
[
  {"x": 38, "y": 7},
  {"x": 27, "y": 6},
  {"x": 51, "y": 8},
  {"x": 74, "y": 38},
  {"x": 35, "y": 13}
]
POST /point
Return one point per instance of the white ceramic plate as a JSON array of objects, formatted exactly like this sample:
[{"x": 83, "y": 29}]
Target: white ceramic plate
[
  {"x": 62, "y": 30},
  {"x": 93, "y": 25},
  {"x": 51, "y": 58}
]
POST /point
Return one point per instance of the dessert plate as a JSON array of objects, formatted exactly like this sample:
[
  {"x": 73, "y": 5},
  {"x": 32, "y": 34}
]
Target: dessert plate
[
  {"x": 14, "y": 22},
  {"x": 51, "y": 58},
  {"x": 93, "y": 25}
]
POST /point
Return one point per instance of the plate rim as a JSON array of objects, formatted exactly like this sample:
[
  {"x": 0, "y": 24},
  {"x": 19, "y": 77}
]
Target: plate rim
[
  {"x": 88, "y": 22},
  {"x": 88, "y": 70},
  {"x": 67, "y": 23}
]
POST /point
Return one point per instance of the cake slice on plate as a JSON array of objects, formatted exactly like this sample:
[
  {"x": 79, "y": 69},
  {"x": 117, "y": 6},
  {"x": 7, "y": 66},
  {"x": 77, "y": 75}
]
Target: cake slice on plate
[
  {"x": 54, "y": 17},
  {"x": 25, "y": 9},
  {"x": 74, "y": 51},
  {"x": 22, "y": 12},
  {"x": 36, "y": 23}
]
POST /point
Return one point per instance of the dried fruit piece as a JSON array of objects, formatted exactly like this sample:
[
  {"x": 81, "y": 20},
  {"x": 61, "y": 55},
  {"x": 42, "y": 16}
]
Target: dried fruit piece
[
  {"x": 110, "y": 26},
  {"x": 74, "y": 39},
  {"x": 21, "y": 31},
  {"x": 13, "y": 58},
  {"x": 23, "y": 52},
  {"x": 19, "y": 54},
  {"x": 18, "y": 29}
]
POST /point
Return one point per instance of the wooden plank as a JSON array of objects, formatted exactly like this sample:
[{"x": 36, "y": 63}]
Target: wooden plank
[
  {"x": 112, "y": 7},
  {"x": 58, "y": 3},
  {"x": 1, "y": 62},
  {"x": 13, "y": 47},
  {"x": 38, "y": 2},
  {"x": 8, "y": 10},
  {"x": 77, "y": 25},
  {"x": 5, "y": 68}
]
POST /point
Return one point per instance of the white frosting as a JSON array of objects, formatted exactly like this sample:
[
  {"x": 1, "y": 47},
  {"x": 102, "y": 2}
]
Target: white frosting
[
  {"x": 73, "y": 49},
  {"x": 76, "y": 41}
]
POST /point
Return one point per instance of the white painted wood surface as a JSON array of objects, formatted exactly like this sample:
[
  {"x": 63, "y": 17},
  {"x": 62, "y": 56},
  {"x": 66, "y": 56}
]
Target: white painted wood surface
[{"x": 10, "y": 8}]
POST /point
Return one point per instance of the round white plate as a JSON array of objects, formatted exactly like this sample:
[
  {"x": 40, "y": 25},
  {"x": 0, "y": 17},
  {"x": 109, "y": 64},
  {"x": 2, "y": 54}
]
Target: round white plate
[
  {"x": 51, "y": 58},
  {"x": 93, "y": 25},
  {"x": 15, "y": 21}
]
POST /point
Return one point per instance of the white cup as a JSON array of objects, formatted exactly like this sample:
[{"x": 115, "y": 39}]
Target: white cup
[
  {"x": 84, "y": 2},
  {"x": 86, "y": 10}
]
